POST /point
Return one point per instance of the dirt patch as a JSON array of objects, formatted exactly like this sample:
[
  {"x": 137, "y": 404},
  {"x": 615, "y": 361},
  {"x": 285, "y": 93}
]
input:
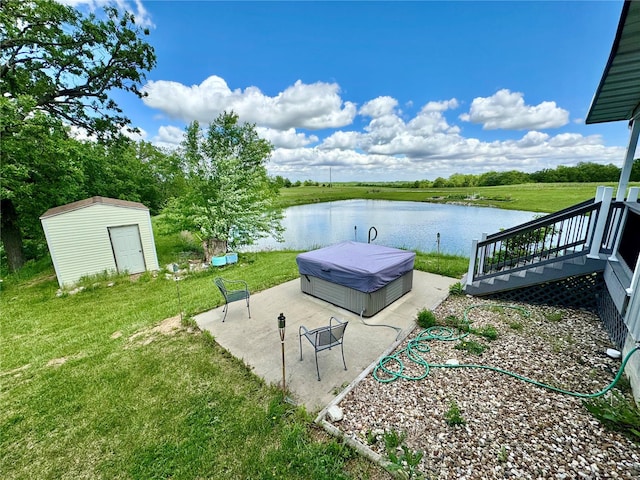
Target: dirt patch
[
  {"x": 56, "y": 362},
  {"x": 16, "y": 372},
  {"x": 168, "y": 326}
]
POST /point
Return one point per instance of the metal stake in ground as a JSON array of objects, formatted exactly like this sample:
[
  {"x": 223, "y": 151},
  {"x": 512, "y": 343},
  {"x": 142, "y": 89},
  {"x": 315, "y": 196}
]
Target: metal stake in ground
[
  {"x": 281, "y": 326},
  {"x": 438, "y": 241},
  {"x": 176, "y": 279}
]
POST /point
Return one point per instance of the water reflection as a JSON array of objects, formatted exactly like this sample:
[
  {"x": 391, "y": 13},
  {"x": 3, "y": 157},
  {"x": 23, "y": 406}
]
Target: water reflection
[{"x": 412, "y": 225}]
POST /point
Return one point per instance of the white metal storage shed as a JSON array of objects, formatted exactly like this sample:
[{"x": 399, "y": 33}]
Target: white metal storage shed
[{"x": 99, "y": 234}]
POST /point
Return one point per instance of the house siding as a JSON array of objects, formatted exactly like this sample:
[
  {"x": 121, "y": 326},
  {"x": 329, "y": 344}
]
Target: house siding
[
  {"x": 632, "y": 319},
  {"x": 79, "y": 239},
  {"x": 633, "y": 314}
]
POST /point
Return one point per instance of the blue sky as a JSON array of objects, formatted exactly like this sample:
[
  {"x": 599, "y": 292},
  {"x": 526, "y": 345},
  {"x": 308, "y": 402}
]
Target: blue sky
[{"x": 381, "y": 91}]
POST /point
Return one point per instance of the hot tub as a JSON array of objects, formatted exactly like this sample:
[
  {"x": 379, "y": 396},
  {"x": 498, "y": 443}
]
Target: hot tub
[{"x": 360, "y": 277}]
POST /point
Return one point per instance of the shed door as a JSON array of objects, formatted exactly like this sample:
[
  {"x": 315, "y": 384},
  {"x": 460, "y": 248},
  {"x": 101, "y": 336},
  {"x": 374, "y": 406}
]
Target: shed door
[{"x": 127, "y": 248}]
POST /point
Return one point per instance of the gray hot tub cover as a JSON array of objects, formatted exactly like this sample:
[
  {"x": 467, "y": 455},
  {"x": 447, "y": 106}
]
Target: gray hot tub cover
[{"x": 362, "y": 266}]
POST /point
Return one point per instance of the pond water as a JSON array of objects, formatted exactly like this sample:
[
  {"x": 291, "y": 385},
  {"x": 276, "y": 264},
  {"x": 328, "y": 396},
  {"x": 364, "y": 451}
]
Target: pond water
[{"x": 412, "y": 225}]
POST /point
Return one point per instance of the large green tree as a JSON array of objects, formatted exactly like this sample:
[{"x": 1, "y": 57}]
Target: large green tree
[
  {"x": 140, "y": 172},
  {"x": 166, "y": 170},
  {"x": 57, "y": 65},
  {"x": 39, "y": 166},
  {"x": 230, "y": 198}
]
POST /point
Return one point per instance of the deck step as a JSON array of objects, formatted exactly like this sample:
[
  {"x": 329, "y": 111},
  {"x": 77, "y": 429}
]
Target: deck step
[{"x": 535, "y": 275}]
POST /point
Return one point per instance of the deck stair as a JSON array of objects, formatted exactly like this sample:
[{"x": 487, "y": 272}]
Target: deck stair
[
  {"x": 573, "y": 242},
  {"x": 536, "y": 275}
]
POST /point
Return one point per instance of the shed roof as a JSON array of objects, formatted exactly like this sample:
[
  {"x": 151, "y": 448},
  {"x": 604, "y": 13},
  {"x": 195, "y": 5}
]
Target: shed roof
[
  {"x": 618, "y": 94},
  {"x": 92, "y": 201}
]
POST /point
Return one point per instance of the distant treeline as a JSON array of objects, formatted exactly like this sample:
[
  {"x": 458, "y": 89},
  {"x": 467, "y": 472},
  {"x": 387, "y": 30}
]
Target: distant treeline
[{"x": 581, "y": 173}]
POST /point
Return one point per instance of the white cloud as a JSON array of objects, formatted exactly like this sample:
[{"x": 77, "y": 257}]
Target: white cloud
[
  {"x": 171, "y": 137},
  {"x": 574, "y": 139},
  {"x": 392, "y": 145},
  {"x": 410, "y": 145},
  {"x": 383, "y": 130},
  {"x": 440, "y": 106},
  {"x": 507, "y": 110},
  {"x": 312, "y": 162},
  {"x": 310, "y": 106},
  {"x": 138, "y": 9},
  {"x": 286, "y": 138},
  {"x": 388, "y": 134},
  {"x": 133, "y": 135},
  {"x": 168, "y": 137},
  {"x": 341, "y": 141},
  {"x": 533, "y": 139},
  {"x": 379, "y": 107},
  {"x": 431, "y": 121},
  {"x": 83, "y": 135},
  {"x": 413, "y": 157}
]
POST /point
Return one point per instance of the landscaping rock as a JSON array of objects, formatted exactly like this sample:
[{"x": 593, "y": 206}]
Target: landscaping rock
[{"x": 512, "y": 429}]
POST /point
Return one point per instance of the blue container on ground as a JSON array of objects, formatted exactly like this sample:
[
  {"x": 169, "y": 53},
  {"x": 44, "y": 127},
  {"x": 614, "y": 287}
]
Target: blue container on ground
[
  {"x": 232, "y": 258},
  {"x": 219, "y": 261}
]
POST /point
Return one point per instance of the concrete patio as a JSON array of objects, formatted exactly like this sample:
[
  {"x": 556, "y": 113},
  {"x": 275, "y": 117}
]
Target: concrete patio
[{"x": 256, "y": 341}]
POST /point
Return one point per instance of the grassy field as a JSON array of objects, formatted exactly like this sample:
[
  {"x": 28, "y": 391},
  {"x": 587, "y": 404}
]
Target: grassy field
[
  {"x": 532, "y": 197},
  {"x": 92, "y": 388}
]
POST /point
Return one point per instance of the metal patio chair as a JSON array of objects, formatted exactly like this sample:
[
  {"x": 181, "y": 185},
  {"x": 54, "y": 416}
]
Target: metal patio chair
[
  {"x": 324, "y": 338},
  {"x": 232, "y": 291}
]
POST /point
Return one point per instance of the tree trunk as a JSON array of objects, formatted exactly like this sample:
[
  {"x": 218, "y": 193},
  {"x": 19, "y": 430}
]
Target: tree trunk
[
  {"x": 11, "y": 235},
  {"x": 213, "y": 247}
]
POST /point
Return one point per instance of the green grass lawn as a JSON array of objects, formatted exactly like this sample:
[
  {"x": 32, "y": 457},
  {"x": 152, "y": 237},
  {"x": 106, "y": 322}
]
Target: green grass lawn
[
  {"x": 89, "y": 389},
  {"x": 534, "y": 197}
]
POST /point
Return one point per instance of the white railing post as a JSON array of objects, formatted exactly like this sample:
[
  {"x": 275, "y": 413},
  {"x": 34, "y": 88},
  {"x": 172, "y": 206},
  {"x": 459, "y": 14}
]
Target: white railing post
[
  {"x": 603, "y": 213},
  {"x": 633, "y": 194},
  {"x": 472, "y": 261},
  {"x": 592, "y": 225},
  {"x": 481, "y": 253},
  {"x": 599, "y": 193}
]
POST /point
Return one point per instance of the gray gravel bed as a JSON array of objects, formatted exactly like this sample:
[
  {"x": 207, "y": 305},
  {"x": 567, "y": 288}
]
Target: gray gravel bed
[{"x": 513, "y": 429}]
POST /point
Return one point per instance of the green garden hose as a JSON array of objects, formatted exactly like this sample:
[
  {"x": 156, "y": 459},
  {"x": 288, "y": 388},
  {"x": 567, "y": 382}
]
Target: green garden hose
[{"x": 420, "y": 345}]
